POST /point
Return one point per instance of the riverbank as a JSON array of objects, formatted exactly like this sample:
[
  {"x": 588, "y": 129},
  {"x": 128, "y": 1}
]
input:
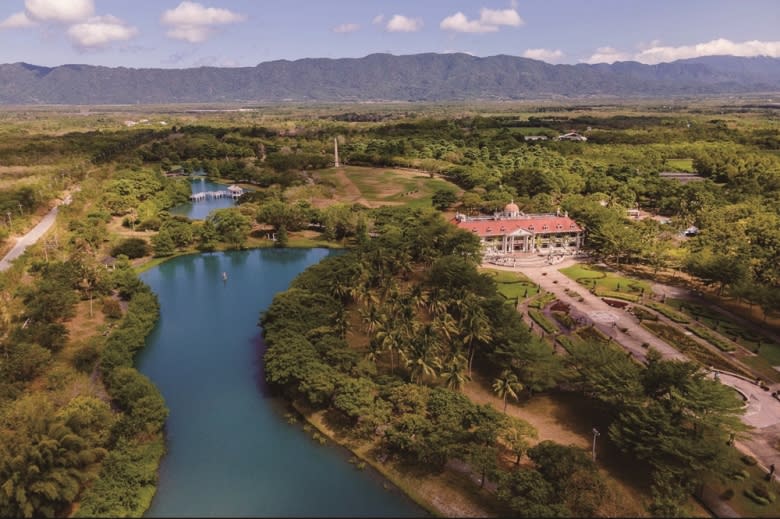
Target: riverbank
[
  {"x": 448, "y": 494},
  {"x": 147, "y": 263}
]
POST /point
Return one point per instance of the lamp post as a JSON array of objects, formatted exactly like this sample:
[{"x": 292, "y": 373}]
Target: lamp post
[{"x": 596, "y": 434}]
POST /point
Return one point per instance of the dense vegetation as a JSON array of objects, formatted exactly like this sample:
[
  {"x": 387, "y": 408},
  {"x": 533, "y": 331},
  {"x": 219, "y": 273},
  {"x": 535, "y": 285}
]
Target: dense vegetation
[
  {"x": 382, "y": 338},
  {"x": 419, "y": 318}
]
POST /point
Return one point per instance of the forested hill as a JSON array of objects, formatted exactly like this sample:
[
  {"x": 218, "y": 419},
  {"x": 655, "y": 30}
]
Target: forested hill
[{"x": 419, "y": 77}]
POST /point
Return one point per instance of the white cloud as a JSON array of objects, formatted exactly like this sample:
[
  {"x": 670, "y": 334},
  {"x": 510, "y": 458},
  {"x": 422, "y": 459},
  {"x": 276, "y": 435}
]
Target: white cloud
[
  {"x": 548, "y": 55},
  {"x": 346, "y": 27},
  {"x": 401, "y": 23},
  {"x": 193, "y": 22},
  {"x": 65, "y": 11},
  {"x": 99, "y": 31},
  {"x": 608, "y": 55},
  {"x": 378, "y": 19},
  {"x": 500, "y": 17},
  {"x": 17, "y": 21},
  {"x": 459, "y": 23},
  {"x": 659, "y": 54},
  {"x": 490, "y": 20}
]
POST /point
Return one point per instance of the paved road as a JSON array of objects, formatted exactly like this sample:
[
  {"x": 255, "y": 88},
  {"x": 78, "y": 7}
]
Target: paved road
[
  {"x": 33, "y": 236},
  {"x": 597, "y": 311},
  {"x": 762, "y": 411}
]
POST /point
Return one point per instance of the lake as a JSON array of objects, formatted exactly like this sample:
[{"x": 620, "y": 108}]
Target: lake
[
  {"x": 231, "y": 453},
  {"x": 200, "y": 210}
]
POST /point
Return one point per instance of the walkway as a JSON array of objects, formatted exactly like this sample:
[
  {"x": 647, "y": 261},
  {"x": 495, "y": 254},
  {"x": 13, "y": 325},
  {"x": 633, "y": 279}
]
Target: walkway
[
  {"x": 32, "y": 236},
  {"x": 597, "y": 311},
  {"x": 762, "y": 411}
]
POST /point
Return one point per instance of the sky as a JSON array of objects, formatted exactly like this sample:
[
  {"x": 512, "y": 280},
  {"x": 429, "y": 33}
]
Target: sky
[{"x": 230, "y": 33}]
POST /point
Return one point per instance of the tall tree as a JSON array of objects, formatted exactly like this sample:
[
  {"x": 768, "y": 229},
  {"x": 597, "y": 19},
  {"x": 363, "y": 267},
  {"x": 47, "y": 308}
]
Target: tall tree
[{"x": 507, "y": 385}]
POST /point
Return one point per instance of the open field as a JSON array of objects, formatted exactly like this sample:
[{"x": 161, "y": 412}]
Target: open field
[{"x": 376, "y": 187}]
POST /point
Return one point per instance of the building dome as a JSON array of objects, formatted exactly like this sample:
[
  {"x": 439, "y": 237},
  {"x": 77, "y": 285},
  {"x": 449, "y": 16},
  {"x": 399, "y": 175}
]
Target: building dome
[{"x": 511, "y": 209}]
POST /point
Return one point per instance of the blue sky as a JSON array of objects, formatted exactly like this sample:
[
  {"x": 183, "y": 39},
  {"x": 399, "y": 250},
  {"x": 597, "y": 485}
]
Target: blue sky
[{"x": 176, "y": 33}]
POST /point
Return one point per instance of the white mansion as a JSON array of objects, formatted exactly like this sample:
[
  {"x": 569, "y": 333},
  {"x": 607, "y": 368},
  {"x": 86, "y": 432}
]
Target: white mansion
[{"x": 512, "y": 232}]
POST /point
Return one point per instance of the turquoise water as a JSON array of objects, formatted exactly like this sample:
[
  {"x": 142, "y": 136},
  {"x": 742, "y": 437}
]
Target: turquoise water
[
  {"x": 200, "y": 210},
  {"x": 231, "y": 453}
]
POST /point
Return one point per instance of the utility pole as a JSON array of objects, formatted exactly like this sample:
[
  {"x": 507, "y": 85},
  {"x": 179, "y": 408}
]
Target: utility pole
[
  {"x": 336, "y": 151},
  {"x": 596, "y": 434}
]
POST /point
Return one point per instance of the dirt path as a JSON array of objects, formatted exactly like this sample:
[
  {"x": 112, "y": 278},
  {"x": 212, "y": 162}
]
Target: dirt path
[{"x": 351, "y": 191}]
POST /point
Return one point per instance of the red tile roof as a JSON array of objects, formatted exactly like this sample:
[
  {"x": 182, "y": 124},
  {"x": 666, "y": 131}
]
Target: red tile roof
[{"x": 534, "y": 224}]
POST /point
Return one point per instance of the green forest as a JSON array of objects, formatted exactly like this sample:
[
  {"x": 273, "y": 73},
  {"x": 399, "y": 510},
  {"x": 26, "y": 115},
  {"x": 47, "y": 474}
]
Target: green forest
[{"x": 380, "y": 340}]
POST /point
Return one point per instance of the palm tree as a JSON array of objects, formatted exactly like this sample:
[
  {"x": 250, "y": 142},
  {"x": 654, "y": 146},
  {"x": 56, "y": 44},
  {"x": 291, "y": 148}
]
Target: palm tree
[
  {"x": 454, "y": 372},
  {"x": 474, "y": 326},
  {"x": 507, "y": 385},
  {"x": 422, "y": 357},
  {"x": 446, "y": 326},
  {"x": 371, "y": 318},
  {"x": 390, "y": 338}
]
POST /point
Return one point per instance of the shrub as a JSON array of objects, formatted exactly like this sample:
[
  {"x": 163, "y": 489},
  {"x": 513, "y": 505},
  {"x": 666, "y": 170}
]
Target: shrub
[
  {"x": 761, "y": 489},
  {"x": 669, "y": 312},
  {"x": 728, "y": 494},
  {"x": 748, "y": 460},
  {"x": 132, "y": 248},
  {"x": 86, "y": 357},
  {"x": 542, "y": 321},
  {"x": 150, "y": 224},
  {"x": 756, "y": 498},
  {"x": 112, "y": 308}
]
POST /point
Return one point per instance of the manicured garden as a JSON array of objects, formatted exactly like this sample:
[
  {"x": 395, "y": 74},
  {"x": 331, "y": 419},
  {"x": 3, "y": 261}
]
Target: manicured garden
[
  {"x": 745, "y": 489},
  {"x": 542, "y": 301},
  {"x": 693, "y": 349},
  {"x": 717, "y": 322},
  {"x": 513, "y": 286},
  {"x": 606, "y": 283}
]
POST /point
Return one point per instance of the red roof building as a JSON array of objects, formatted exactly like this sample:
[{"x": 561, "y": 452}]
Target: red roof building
[{"x": 513, "y": 232}]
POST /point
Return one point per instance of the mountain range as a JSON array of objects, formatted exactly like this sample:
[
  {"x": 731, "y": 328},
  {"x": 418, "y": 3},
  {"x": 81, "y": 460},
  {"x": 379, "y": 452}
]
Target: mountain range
[{"x": 385, "y": 77}]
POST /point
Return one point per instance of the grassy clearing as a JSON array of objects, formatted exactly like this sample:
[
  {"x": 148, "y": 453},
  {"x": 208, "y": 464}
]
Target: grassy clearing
[
  {"x": 381, "y": 186},
  {"x": 606, "y": 283},
  {"x": 513, "y": 286},
  {"x": 681, "y": 165}
]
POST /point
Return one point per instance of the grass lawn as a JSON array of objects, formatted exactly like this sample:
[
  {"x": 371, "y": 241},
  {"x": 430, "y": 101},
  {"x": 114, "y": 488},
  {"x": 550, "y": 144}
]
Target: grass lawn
[
  {"x": 512, "y": 285},
  {"x": 604, "y": 281},
  {"x": 682, "y": 165},
  {"x": 740, "y": 478},
  {"x": 383, "y": 186}
]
